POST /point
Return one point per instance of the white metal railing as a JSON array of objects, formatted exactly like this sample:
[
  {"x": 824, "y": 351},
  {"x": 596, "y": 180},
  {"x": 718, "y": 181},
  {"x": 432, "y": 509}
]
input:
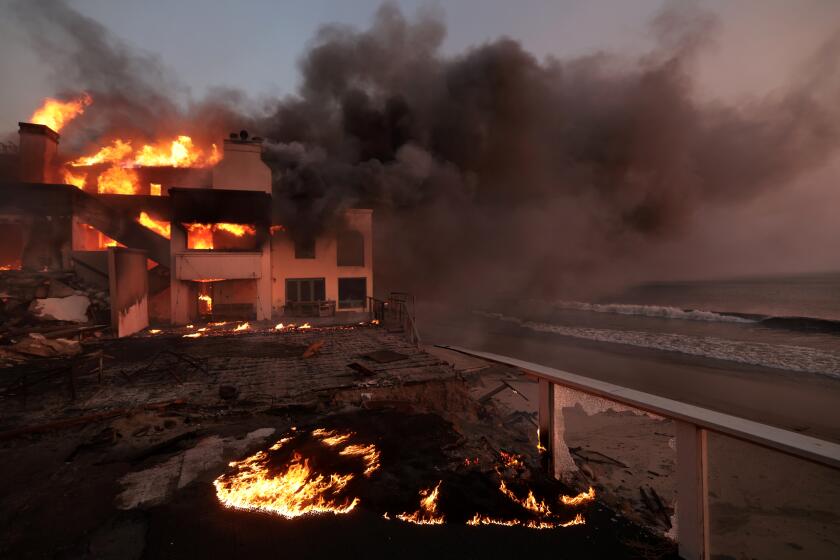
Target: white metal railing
[{"x": 692, "y": 426}]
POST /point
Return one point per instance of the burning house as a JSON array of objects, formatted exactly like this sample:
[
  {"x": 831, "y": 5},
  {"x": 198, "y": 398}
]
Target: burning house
[{"x": 200, "y": 217}]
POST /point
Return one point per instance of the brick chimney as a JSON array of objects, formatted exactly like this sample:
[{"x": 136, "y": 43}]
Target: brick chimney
[{"x": 37, "y": 153}]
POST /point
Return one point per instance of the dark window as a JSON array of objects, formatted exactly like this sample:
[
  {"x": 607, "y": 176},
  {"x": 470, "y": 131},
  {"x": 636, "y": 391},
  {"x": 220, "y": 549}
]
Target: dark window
[
  {"x": 351, "y": 248},
  {"x": 305, "y": 289},
  {"x": 305, "y": 249},
  {"x": 352, "y": 292}
]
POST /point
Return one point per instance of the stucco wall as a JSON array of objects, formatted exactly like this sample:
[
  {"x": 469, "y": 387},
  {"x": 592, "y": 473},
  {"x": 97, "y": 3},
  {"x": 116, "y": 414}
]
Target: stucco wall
[
  {"x": 284, "y": 264},
  {"x": 242, "y": 168}
]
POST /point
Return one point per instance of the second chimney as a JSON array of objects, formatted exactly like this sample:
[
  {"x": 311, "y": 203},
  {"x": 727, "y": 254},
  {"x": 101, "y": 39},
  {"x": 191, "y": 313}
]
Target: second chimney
[{"x": 37, "y": 153}]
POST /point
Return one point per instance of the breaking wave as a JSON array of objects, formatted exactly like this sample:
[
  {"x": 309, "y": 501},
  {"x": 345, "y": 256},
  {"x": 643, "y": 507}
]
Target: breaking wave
[
  {"x": 776, "y": 356},
  {"x": 658, "y": 311}
]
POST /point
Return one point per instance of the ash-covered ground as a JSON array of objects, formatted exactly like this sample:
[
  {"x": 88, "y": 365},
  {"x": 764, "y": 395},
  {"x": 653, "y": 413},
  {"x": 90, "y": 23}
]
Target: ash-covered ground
[{"x": 135, "y": 479}]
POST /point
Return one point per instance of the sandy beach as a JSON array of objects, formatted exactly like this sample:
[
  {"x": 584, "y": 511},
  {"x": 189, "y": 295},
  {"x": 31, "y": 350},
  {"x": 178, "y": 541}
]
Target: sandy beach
[{"x": 763, "y": 504}]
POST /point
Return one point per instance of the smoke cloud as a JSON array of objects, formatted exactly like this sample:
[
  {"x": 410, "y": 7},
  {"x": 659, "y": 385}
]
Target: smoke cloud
[
  {"x": 498, "y": 172},
  {"x": 135, "y": 94},
  {"x": 491, "y": 172}
]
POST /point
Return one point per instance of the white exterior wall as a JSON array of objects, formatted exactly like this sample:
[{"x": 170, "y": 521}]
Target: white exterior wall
[
  {"x": 242, "y": 168},
  {"x": 284, "y": 264}
]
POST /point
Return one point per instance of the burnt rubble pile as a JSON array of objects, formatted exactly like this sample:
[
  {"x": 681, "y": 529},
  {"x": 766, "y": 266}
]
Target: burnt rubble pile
[{"x": 42, "y": 312}]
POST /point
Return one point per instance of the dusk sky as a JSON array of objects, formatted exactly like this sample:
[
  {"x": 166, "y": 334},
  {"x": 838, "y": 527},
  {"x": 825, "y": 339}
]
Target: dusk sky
[
  {"x": 254, "y": 45},
  {"x": 753, "y": 55}
]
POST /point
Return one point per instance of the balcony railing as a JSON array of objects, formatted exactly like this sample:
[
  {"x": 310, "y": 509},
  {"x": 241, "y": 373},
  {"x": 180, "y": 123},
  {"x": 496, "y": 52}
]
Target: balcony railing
[{"x": 693, "y": 424}]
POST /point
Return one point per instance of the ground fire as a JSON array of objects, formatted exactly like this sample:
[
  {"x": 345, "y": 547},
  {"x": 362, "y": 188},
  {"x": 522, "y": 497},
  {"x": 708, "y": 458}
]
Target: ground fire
[
  {"x": 428, "y": 512},
  {"x": 210, "y": 345},
  {"x": 293, "y": 486}
]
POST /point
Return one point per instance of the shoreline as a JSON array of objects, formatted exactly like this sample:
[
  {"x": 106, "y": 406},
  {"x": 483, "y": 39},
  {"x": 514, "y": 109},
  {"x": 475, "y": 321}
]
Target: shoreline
[{"x": 749, "y": 391}]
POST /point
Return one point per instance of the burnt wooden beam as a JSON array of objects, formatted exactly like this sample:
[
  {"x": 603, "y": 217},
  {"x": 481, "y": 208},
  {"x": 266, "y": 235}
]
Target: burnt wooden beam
[{"x": 120, "y": 226}]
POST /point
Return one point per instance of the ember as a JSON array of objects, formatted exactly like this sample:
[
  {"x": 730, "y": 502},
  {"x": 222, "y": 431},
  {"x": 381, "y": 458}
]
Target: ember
[{"x": 512, "y": 460}]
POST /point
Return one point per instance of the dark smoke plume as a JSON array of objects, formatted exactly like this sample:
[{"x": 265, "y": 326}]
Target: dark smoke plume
[
  {"x": 491, "y": 172},
  {"x": 135, "y": 94},
  {"x": 496, "y": 172}
]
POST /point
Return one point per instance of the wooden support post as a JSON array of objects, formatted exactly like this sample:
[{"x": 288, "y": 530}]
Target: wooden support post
[
  {"x": 692, "y": 492},
  {"x": 546, "y": 425}
]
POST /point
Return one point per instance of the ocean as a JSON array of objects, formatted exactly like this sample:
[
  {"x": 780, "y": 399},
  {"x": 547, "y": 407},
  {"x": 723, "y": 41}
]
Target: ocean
[{"x": 790, "y": 323}]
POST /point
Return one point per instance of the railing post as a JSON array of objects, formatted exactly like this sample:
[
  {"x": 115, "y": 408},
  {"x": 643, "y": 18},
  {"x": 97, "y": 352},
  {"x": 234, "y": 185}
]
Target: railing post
[
  {"x": 545, "y": 423},
  {"x": 692, "y": 491}
]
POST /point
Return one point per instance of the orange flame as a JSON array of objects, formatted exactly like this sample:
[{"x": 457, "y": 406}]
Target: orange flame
[
  {"x": 118, "y": 180},
  {"x": 208, "y": 302},
  {"x": 291, "y": 493},
  {"x": 540, "y": 446},
  {"x": 102, "y": 240},
  {"x": 155, "y": 189},
  {"x": 180, "y": 152},
  {"x": 530, "y": 503},
  {"x": 117, "y": 152},
  {"x": 305, "y": 326},
  {"x": 330, "y": 437},
  {"x": 238, "y": 230},
  {"x": 295, "y": 491},
  {"x": 200, "y": 236},
  {"x": 158, "y": 226},
  {"x": 368, "y": 453},
  {"x": 77, "y": 181},
  {"x": 581, "y": 498},
  {"x": 578, "y": 520},
  {"x": 193, "y": 335},
  {"x": 479, "y": 519},
  {"x": 427, "y": 514},
  {"x": 242, "y": 327},
  {"x": 55, "y": 114}
]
